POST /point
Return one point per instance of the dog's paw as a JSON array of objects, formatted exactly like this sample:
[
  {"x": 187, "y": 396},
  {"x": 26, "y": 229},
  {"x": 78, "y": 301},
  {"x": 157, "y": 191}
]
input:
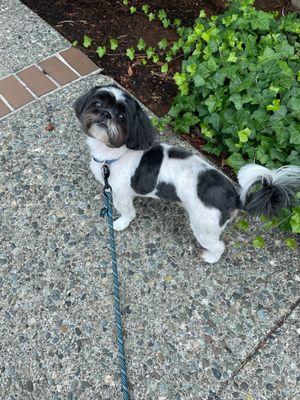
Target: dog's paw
[
  {"x": 121, "y": 223},
  {"x": 213, "y": 255},
  {"x": 210, "y": 257}
]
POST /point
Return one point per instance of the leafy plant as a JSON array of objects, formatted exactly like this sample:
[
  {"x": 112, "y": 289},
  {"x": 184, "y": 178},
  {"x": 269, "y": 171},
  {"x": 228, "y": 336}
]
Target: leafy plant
[
  {"x": 87, "y": 41},
  {"x": 101, "y": 50},
  {"x": 130, "y": 53},
  {"x": 164, "y": 68},
  {"x": 162, "y": 44},
  {"x": 239, "y": 83},
  {"x": 141, "y": 44},
  {"x": 291, "y": 243},
  {"x": 145, "y": 8},
  {"x": 114, "y": 44},
  {"x": 151, "y": 16},
  {"x": 259, "y": 242}
]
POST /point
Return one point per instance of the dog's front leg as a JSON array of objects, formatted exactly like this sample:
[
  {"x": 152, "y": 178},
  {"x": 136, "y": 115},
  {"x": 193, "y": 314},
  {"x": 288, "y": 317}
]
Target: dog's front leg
[{"x": 124, "y": 206}]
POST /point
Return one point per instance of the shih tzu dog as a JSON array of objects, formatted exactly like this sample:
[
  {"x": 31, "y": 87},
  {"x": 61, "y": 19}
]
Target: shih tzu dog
[{"x": 121, "y": 135}]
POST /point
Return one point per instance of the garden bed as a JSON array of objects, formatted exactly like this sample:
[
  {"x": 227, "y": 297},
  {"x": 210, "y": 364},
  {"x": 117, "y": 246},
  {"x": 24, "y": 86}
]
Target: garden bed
[{"x": 111, "y": 19}]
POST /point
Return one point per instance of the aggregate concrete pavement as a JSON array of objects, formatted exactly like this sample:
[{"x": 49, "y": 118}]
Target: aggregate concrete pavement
[{"x": 192, "y": 330}]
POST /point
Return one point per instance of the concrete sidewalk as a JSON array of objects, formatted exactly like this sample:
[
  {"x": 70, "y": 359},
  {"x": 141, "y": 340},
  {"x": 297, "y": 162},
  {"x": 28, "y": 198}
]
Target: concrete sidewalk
[{"x": 193, "y": 330}]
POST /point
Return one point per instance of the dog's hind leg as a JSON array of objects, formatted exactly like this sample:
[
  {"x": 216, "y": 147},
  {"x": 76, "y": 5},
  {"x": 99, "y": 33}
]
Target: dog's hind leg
[
  {"x": 124, "y": 206},
  {"x": 207, "y": 231}
]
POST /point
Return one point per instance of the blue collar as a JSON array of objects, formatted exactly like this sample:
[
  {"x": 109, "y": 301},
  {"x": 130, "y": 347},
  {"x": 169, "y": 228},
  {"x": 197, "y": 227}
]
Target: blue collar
[{"x": 107, "y": 162}]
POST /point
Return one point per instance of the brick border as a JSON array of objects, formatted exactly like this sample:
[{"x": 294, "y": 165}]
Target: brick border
[{"x": 39, "y": 79}]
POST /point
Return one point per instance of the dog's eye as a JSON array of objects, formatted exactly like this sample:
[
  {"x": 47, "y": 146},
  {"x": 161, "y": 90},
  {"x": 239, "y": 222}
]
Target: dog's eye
[
  {"x": 98, "y": 104},
  {"x": 122, "y": 117}
]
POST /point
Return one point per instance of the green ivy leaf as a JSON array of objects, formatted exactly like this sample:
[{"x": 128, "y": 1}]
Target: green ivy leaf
[
  {"x": 125, "y": 2},
  {"x": 145, "y": 8},
  {"x": 166, "y": 23},
  {"x": 187, "y": 120},
  {"x": 132, "y": 10},
  {"x": 274, "y": 106},
  {"x": 295, "y": 220},
  {"x": 151, "y": 17},
  {"x": 235, "y": 161},
  {"x": 236, "y": 98},
  {"x": 169, "y": 57},
  {"x": 113, "y": 44},
  {"x": 162, "y": 14},
  {"x": 198, "y": 80},
  {"x": 87, "y": 41},
  {"x": 130, "y": 53},
  {"x": 191, "y": 69},
  {"x": 291, "y": 243},
  {"x": 177, "y": 22},
  {"x": 150, "y": 52},
  {"x": 211, "y": 102},
  {"x": 75, "y": 43},
  {"x": 232, "y": 57},
  {"x": 294, "y": 131},
  {"x": 101, "y": 50},
  {"x": 259, "y": 242},
  {"x": 141, "y": 45},
  {"x": 162, "y": 44},
  {"x": 244, "y": 135},
  {"x": 164, "y": 68},
  {"x": 155, "y": 58},
  {"x": 242, "y": 225},
  {"x": 206, "y": 132}
]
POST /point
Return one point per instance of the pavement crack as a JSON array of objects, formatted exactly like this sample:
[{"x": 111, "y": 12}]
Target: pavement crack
[{"x": 260, "y": 345}]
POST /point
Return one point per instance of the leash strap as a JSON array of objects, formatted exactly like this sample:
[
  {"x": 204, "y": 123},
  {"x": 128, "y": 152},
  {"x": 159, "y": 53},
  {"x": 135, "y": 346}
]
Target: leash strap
[{"x": 108, "y": 212}]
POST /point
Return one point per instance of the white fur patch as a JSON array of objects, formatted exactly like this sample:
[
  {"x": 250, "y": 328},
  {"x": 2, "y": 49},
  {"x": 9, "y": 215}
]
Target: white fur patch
[
  {"x": 118, "y": 93},
  {"x": 99, "y": 133}
]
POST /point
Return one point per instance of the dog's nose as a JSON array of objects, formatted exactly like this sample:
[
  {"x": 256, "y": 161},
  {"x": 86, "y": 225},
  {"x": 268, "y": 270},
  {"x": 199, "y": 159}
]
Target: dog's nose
[{"x": 106, "y": 114}]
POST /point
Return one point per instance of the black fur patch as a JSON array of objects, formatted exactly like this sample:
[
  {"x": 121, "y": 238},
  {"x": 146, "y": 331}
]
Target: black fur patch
[
  {"x": 182, "y": 154},
  {"x": 141, "y": 132},
  {"x": 167, "y": 191},
  {"x": 215, "y": 190},
  {"x": 144, "y": 179},
  {"x": 268, "y": 200}
]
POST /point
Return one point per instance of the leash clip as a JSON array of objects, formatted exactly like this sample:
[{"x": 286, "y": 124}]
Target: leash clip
[{"x": 106, "y": 174}]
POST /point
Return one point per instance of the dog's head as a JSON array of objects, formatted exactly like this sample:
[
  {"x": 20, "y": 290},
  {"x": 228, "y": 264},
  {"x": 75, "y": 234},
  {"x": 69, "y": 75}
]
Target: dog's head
[{"x": 110, "y": 115}]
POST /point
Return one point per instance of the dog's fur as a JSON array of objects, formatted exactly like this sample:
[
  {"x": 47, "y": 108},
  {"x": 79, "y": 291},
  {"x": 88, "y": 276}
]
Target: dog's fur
[{"x": 120, "y": 133}]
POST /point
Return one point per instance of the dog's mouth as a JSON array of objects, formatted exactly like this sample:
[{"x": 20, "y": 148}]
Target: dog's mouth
[{"x": 103, "y": 124}]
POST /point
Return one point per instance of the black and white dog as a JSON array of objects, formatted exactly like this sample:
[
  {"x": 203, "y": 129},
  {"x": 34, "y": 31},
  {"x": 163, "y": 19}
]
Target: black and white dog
[{"x": 120, "y": 134}]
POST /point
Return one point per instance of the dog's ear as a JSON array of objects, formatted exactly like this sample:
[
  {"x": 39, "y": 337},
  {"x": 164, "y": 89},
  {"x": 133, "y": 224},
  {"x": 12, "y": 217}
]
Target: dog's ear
[
  {"x": 82, "y": 101},
  {"x": 141, "y": 133}
]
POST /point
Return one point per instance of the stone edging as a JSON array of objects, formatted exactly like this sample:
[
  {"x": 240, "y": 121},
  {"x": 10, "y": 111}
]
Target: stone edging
[{"x": 44, "y": 77}]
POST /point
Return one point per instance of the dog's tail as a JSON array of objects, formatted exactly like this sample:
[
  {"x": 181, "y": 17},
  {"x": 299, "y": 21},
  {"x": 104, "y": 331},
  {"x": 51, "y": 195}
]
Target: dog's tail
[{"x": 265, "y": 191}]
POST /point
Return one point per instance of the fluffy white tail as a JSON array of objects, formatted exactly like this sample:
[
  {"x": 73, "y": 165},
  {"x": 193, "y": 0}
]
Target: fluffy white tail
[{"x": 276, "y": 188}]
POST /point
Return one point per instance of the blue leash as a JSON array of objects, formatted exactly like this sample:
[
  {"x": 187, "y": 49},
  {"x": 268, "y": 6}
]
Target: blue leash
[{"x": 108, "y": 212}]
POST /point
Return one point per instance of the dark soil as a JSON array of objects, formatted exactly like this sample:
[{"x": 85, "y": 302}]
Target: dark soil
[{"x": 105, "y": 19}]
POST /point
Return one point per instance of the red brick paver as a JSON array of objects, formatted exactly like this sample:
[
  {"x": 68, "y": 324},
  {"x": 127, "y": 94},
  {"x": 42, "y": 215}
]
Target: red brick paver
[
  {"x": 25, "y": 86},
  {"x": 59, "y": 71},
  {"x": 79, "y": 61},
  {"x": 4, "y": 110},
  {"x": 37, "y": 81},
  {"x": 14, "y": 92}
]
